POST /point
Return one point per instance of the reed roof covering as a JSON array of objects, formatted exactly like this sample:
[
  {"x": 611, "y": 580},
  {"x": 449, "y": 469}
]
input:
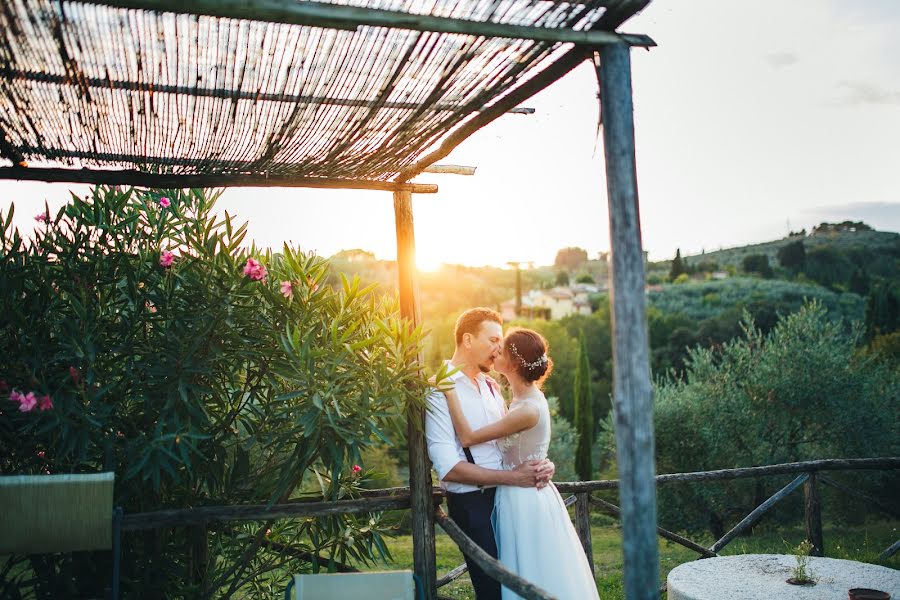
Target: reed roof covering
[{"x": 180, "y": 88}]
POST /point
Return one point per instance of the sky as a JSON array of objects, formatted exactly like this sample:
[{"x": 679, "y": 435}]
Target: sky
[{"x": 751, "y": 120}]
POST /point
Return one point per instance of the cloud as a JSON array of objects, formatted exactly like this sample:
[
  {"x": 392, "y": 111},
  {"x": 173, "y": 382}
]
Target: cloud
[
  {"x": 781, "y": 59},
  {"x": 860, "y": 92},
  {"x": 883, "y": 216}
]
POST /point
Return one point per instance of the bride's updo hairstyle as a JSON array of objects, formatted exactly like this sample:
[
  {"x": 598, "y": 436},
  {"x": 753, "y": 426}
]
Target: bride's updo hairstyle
[{"x": 527, "y": 351}]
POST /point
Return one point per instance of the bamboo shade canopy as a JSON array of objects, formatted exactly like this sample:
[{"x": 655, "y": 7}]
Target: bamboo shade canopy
[{"x": 180, "y": 88}]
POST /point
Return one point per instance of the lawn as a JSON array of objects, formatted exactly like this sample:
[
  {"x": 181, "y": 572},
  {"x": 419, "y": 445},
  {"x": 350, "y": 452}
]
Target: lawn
[{"x": 862, "y": 543}]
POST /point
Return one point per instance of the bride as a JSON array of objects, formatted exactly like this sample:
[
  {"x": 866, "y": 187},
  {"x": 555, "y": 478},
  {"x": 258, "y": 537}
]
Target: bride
[{"x": 535, "y": 537}]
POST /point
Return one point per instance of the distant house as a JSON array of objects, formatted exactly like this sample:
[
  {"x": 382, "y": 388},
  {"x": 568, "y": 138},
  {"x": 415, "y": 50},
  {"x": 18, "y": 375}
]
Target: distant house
[{"x": 551, "y": 304}]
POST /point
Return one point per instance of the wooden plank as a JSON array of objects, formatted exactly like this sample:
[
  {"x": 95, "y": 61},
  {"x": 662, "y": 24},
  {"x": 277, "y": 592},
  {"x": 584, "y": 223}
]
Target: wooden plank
[
  {"x": 831, "y": 464},
  {"x": 168, "y": 180},
  {"x": 450, "y": 169},
  {"x": 493, "y": 567},
  {"x": 813, "y": 515},
  {"x": 758, "y": 512},
  {"x": 613, "y": 510},
  {"x": 421, "y": 504},
  {"x": 632, "y": 389},
  {"x": 335, "y": 16},
  {"x": 583, "y": 525}
]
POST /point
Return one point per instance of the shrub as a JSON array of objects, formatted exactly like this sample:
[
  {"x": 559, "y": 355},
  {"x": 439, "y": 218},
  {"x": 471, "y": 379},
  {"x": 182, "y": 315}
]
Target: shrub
[
  {"x": 757, "y": 263},
  {"x": 801, "y": 392},
  {"x": 202, "y": 374}
]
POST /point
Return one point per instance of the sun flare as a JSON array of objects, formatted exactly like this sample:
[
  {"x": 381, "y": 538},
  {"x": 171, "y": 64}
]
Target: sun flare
[{"x": 428, "y": 261}]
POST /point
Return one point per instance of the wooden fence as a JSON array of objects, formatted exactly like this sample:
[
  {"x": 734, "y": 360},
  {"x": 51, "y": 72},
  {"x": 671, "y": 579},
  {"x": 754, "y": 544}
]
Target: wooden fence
[{"x": 808, "y": 476}]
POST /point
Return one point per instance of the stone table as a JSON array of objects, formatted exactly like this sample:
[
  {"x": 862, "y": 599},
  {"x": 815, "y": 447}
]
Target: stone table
[{"x": 762, "y": 577}]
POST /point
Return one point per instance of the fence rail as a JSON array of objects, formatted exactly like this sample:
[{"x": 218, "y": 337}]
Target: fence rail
[{"x": 807, "y": 475}]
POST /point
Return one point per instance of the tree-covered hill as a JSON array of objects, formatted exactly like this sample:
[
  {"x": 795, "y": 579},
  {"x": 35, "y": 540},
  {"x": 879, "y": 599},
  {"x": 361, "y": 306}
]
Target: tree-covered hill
[
  {"x": 876, "y": 250},
  {"x": 712, "y": 298}
]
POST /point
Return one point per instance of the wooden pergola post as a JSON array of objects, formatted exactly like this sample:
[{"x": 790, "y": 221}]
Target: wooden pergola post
[
  {"x": 632, "y": 390},
  {"x": 421, "y": 506}
]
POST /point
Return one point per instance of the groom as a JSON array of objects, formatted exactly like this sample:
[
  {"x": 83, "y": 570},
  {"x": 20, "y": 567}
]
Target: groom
[{"x": 470, "y": 475}]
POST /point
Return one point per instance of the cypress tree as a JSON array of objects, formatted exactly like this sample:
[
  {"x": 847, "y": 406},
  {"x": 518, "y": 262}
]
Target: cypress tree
[
  {"x": 677, "y": 266},
  {"x": 584, "y": 413}
]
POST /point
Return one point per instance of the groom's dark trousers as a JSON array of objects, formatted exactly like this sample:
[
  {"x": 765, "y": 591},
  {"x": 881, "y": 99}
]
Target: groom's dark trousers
[{"x": 472, "y": 512}]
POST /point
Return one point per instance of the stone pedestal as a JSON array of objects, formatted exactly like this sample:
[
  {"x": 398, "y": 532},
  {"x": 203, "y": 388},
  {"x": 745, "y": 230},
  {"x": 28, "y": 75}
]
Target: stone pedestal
[{"x": 762, "y": 577}]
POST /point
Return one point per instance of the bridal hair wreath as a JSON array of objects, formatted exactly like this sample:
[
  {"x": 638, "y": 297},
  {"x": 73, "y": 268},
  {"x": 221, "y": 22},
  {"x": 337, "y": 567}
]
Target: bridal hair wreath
[{"x": 528, "y": 365}]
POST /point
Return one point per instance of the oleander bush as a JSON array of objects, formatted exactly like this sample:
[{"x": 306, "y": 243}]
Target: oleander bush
[{"x": 139, "y": 335}]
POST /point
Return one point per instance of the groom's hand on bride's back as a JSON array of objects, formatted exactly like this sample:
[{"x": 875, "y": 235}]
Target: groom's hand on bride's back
[{"x": 534, "y": 473}]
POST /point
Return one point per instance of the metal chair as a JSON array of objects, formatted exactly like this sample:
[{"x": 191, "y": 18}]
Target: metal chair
[
  {"x": 43, "y": 514},
  {"x": 372, "y": 585}
]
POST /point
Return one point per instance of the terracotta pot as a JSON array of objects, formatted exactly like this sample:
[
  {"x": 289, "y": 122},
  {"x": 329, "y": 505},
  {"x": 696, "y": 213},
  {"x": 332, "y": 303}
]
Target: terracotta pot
[{"x": 867, "y": 594}]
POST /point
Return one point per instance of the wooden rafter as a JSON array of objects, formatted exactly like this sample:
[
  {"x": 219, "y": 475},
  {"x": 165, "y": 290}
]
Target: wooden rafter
[
  {"x": 206, "y": 92},
  {"x": 350, "y": 17},
  {"x": 168, "y": 180},
  {"x": 559, "y": 69}
]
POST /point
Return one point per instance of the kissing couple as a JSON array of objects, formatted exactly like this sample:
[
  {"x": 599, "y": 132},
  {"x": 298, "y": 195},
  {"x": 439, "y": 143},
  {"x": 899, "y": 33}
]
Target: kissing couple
[{"x": 491, "y": 457}]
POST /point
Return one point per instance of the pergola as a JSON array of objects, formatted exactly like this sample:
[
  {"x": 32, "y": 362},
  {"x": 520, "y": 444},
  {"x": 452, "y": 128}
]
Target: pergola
[{"x": 335, "y": 94}]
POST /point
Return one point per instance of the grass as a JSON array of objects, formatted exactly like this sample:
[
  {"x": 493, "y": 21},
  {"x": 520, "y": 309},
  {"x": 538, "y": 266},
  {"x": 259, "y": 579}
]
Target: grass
[{"x": 863, "y": 543}]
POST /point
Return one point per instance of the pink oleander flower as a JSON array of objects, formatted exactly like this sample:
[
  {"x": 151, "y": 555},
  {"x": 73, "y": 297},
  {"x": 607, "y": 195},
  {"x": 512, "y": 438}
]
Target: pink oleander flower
[
  {"x": 254, "y": 270},
  {"x": 287, "y": 289},
  {"x": 40, "y": 454},
  {"x": 165, "y": 202},
  {"x": 27, "y": 402},
  {"x": 46, "y": 403},
  {"x": 41, "y": 217},
  {"x": 356, "y": 469},
  {"x": 15, "y": 396},
  {"x": 166, "y": 259}
]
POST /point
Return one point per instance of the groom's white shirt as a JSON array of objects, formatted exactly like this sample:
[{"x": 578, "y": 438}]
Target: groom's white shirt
[{"x": 481, "y": 408}]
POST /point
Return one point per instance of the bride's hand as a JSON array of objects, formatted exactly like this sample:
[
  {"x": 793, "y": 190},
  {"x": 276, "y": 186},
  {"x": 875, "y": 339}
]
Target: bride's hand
[{"x": 546, "y": 471}]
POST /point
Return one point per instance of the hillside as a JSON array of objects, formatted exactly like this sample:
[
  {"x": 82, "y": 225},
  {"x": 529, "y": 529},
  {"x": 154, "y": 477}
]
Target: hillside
[
  {"x": 709, "y": 299},
  {"x": 868, "y": 241}
]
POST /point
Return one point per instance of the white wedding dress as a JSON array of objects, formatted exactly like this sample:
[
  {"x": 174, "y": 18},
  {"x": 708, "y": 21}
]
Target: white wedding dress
[{"x": 535, "y": 537}]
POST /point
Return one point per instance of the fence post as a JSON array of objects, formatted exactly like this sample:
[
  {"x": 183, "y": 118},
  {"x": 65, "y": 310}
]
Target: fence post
[
  {"x": 632, "y": 387},
  {"x": 583, "y": 524},
  {"x": 420, "y": 499},
  {"x": 813, "y": 515}
]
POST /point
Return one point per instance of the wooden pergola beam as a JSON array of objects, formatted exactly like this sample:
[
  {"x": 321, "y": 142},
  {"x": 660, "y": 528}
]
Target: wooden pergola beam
[
  {"x": 611, "y": 19},
  {"x": 450, "y": 169},
  {"x": 225, "y": 94},
  {"x": 169, "y": 180},
  {"x": 334, "y": 16}
]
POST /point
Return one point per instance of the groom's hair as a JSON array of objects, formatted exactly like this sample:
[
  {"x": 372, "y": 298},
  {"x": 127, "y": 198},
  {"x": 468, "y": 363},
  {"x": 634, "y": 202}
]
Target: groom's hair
[{"x": 471, "y": 320}]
